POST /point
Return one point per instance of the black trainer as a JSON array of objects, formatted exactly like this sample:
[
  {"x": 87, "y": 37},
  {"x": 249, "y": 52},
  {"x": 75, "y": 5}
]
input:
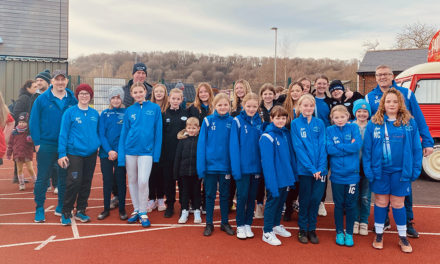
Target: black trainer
[
  {"x": 208, "y": 229},
  {"x": 123, "y": 215},
  {"x": 411, "y": 231},
  {"x": 313, "y": 237},
  {"x": 103, "y": 215},
  {"x": 227, "y": 229},
  {"x": 302, "y": 237},
  {"x": 169, "y": 212},
  {"x": 287, "y": 216}
]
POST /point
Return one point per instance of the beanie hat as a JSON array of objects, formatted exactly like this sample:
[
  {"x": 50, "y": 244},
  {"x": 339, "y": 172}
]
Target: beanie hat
[
  {"x": 361, "y": 104},
  {"x": 115, "y": 91},
  {"x": 139, "y": 67},
  {"x": 24, "y": 117},
  {"x": 84, "y": 87},
  {"x": 45, "y": 75},
  {"x": 336, "y": 85},
  {"x": 180, "y": 86}
]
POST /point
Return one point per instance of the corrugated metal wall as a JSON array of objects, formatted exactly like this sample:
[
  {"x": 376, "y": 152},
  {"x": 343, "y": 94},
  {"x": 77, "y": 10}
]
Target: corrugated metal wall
[{"x": 13, "y": 74}]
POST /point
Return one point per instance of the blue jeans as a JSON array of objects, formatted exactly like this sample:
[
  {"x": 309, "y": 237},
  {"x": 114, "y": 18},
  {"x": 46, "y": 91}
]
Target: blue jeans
[
  {"x": 46, "y": 157},
  {"x": 363, "y": 205},
  {"x": 210, "y": 182},
  {"x": 111, "y": 173},
  {"x": 310, "y": 194},
  {"x": 247, "y": 188},
  {"x": 344, "y": 197},
  {"x": 274, "y": 209}
]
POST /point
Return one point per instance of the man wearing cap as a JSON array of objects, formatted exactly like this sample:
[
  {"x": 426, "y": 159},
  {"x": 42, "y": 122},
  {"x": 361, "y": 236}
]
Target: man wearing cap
[
  {"x": 139, "y": 75},
  {"x": 43, "y": 81},
  {"x": 385, "y": 81},
  {"x": 45, "y": 122},
  {"x": 338, "y": 97}
]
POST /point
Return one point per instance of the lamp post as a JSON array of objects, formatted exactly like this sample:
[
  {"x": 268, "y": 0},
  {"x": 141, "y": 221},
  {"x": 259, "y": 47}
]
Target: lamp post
[{"x": 275, "y": 60}]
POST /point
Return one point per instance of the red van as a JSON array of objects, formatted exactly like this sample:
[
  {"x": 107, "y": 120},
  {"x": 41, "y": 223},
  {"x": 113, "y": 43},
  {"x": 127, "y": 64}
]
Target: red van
[{"x": 424, "y": 81}]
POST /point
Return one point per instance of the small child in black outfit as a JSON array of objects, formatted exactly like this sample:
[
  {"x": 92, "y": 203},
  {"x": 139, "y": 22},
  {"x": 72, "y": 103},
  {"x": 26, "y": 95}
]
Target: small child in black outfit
[{"x": 185, "y": 169}]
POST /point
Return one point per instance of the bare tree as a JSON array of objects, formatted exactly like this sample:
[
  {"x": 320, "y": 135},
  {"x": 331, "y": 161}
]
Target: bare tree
[
  {"x": 415, "y": 35},
  {"x": 370, "y": 45}
]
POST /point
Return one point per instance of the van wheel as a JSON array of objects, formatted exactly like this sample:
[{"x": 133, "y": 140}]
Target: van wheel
[{"x": 431, "y": 164}]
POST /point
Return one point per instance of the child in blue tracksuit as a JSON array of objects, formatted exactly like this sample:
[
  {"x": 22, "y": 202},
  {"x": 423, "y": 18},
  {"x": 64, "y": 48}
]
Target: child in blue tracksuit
[
  {"x": 392, "y": 158},
  {"x": 213, "y": 163},
  {"x": 139, "y": 146},
  {"x": 277, "y": 158},
  {"x": 343, "y": 144},
  {"x": 246, "y": 162},
  {"x": 110, "y": 125},
  {"x": 362, "y": 112},
  {"x": 308, "y": 137},
  {"x": 78, "y": 144}
]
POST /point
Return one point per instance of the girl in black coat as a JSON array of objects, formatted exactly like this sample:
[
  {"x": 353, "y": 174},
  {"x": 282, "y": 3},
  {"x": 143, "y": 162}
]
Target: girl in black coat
[{"x": 185, "y": 169}]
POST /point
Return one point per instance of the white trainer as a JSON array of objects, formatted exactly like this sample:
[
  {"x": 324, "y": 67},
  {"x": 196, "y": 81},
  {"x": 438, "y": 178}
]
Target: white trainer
[
  {"x": 248, "y": 230},
  {"x": 321, "y": 210},
  {"x": 161, "y": 205},
  {"x": 281, "y": 231},
  {"x": 241, "y": 232},
  {"x": 271, "y": 239},
  {"x": 183, "y": 217},
  {"x": 363, "y": 229},
  {"x": 356, "y": 228},
  {"x": 151, "y": 205},
  {"x": 197, "y": 217},
  {"x": 259, "y": 211},
  {"x": 55, "y": 191}
]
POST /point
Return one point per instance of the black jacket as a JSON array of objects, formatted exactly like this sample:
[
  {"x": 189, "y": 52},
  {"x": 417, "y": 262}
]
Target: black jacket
[
  {"x": 194, "y": 112},
  {"x": 349, "y": 104},
  {"x": 173, "y": 121},
  {"x": 23, "y": 103},
  {"x": 128, "y": 100},
  {"x": 185, "y": 163}
]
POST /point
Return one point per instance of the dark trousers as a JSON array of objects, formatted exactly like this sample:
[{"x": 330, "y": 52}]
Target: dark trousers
[
  {"x": 210, "y": 182},
  {"x": 310, "y": 194},
  {"x": 261, "y": 191},
  {"x": 155, "y": 184},
  {"x": 247, "y": 188},
  {"x": 46, "y": 157},
  {"x": 111, "y": 173},
  {"x": 169, "y": 183},
  {"x": 232, "y": 189},
  {"x": 189, "y": 189},
  {"x": 78, "y": 182},
  {"x": 274, "y": 209},
  {"x": 54, "y": 175},
  {"x": 345, "y": 197},
  {"x": 292, "y": 195}
]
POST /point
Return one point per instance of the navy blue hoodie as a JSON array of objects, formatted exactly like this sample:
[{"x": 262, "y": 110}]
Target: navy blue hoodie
[{"x": 110, "y": 126}]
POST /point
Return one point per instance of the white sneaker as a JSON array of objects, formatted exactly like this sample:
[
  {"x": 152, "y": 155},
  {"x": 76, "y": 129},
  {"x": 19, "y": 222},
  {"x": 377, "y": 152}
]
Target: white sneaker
[
  {"x": 259, "y": 211},
  {"x": 356, "y": 228},
  {"x": 363, "y": 229},
  {"x": 271, "y": 239},
  {"x": 21, "y": 187},
  {"x": 151, "y": 205},
  {"x": 183, "y": 217},
  {"x": 55, "y": 191},
  {"x": 161, "y": 205},
  {"x": 197, "y": 217},
  {"x": 321, "y": 210},
  {"x": 241, "y": 232},
  {"x": 281, "y": 231},
  {"x": 248, "y": 230},
  {"x": 49, "y": 189}
]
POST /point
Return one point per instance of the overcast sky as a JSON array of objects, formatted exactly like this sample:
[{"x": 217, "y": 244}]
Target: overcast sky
[{"x": 317, "y": 29}]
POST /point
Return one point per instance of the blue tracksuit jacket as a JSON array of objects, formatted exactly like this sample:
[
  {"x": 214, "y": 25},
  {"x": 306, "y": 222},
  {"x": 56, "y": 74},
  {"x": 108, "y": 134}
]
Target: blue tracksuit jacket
[
  {"x": 79, "y": 132},
  {"x": 322, "y": 111},
  {"x": 110, "y": 126},
  {"x": 277, "y": 158},
  {"x": 243, "y": 145},
  {"x": 213, "y": 145},
  {"x": 373, "y": 156},
  {"x": 309, "y": 145},
  {"x": 373, "y": 98},
  {"x": 46, "y": 115},
  {"x": 141, "y": 133},
  {"x": 344, "y": 155}
]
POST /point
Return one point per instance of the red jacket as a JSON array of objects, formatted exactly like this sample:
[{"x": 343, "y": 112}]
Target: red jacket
[{"x": 21, "y": 145}]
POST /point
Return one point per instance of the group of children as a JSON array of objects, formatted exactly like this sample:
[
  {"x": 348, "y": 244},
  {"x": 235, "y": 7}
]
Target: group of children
[{"x": 286, "y": 144}]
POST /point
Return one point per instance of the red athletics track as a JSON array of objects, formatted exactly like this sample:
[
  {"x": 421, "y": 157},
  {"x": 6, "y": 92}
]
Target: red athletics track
[{"x": 114, "y": 241}]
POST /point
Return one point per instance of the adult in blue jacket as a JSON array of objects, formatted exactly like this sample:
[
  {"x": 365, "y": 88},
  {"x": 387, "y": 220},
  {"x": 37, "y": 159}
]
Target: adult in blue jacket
[
  {"x": 385, "y": 81},
  {"x": 44, "y": 124},
  {"x": 246, "y": 162},
  {"x": 78, "y": 144},
  {"x": 110, "y": 126},
  {"x": 392, "y": 159}
]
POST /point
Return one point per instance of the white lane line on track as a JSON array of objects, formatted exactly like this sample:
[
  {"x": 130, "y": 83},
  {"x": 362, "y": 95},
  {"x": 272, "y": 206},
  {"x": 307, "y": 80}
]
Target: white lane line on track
[
  {"x": 45, "y": 243},
  {"x": 8, "y": 194},
  {"x": 49, "y": 208},
  {"x": 75, "y": 228}
]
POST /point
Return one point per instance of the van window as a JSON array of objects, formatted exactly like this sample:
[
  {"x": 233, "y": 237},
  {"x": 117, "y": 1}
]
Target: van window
[
  {"x": 428, "y": 91},
  {"x": 406, "y": 84}
]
